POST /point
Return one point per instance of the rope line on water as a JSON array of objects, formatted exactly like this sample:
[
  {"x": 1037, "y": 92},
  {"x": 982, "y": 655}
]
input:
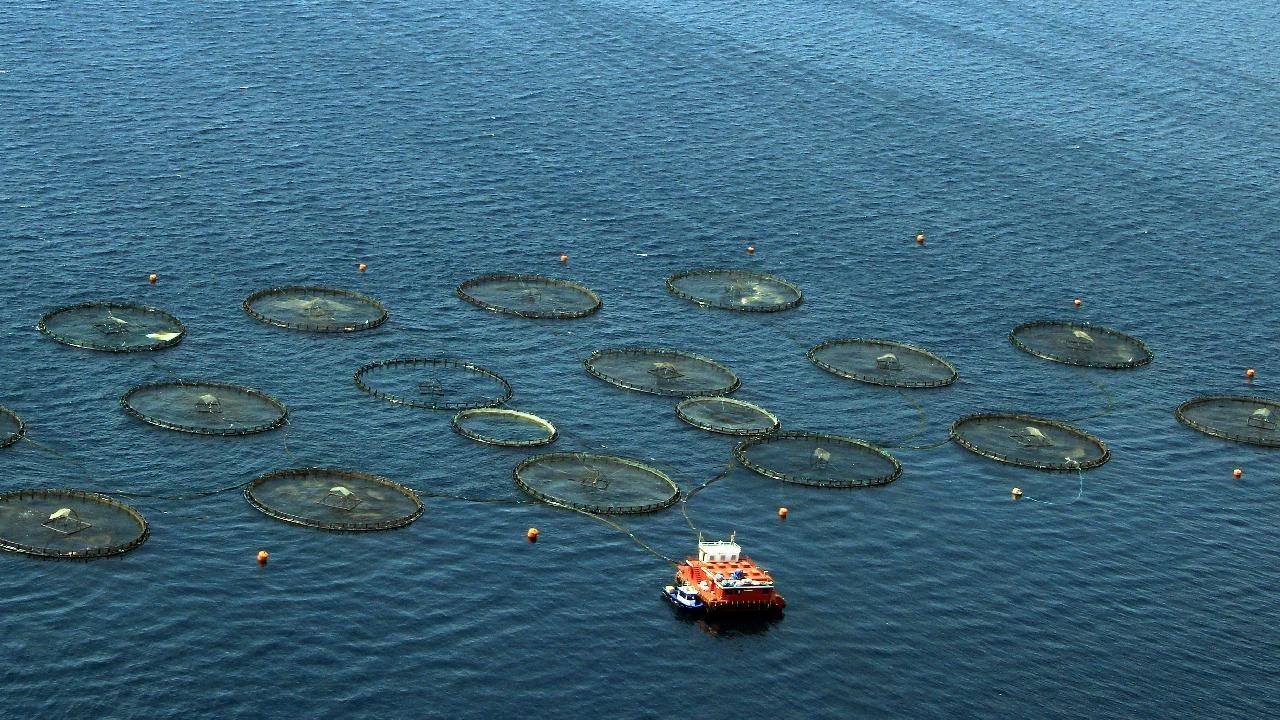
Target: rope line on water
[
  {"x": 620, "y": 528},
  {"x": 1079, "y": 493},
  {"x": 684, "y": 501}
]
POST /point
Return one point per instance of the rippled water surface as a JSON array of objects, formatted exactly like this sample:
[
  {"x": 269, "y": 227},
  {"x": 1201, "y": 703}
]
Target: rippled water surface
[{"x": 1123, "y": 153}]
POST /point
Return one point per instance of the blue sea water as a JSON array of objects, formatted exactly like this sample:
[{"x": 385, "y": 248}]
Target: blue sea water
[{"x": 1124, "y": 153}]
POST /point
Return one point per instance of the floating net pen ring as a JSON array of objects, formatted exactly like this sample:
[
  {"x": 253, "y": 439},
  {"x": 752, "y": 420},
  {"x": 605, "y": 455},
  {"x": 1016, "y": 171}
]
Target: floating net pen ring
[
  {"x": 500, "y": 426},
  {"x": 740, "y": 290},
  {"x": 112, "y": 327},
  {"x": 659, "y": 371},
  {"x": 883, "y": 362},
  {"x": 601, "y": 484},
  {"x": 1080, "y": 344},
  {"x": 430, "y": 383},
  {"x": 1252, "y": 420},
  {"x": 75, "y": 524},
  {"x": 530, "y": 296},
  {"x": 11, "y": 426},
  {"x": 818, "y": 460},
  {"x": 315, "y": 309},
  {"x": 205, "y": 407},
  {"x": 334, "y": 499},
  {"x": 1029, "y": 441},
  {"x": 726, "y": 415}
]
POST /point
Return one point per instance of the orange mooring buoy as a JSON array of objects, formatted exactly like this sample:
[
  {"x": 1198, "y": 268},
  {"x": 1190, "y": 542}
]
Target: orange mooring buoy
[
  {"x": 1077, "y": 302},
  {"x": 920, "y": 238},
  {"x": 751, "y": 249},
  {"x": 1249, "y": 373},
  {"x": 1237, "y": 473},
  {"x": 532, "y": 534},
  {"x": 362, "y": 267},
  {"x": 262, "y": 557},
  {"x": 152, "y": 278},
  {"x": 782, "y": 513},
  {"x": 1017, "y": 493},
  {"x": 564, "y": 258}
]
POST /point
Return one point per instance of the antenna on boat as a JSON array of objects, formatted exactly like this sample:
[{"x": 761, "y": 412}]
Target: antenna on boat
[{"x": 733, "y": 536}]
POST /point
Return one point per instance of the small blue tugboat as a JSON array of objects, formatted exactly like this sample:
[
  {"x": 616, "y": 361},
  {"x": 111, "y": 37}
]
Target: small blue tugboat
[{"x": 684, "y": 597}]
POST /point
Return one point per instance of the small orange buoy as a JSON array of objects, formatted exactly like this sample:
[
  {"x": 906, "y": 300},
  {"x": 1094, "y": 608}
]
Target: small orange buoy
[
  {"x": 751, "y": 249},
  {"x": 1249, "y": 373},
  {"x": 362, "y": 267},
  {"x": 532, "y": 534},
  {"x": 1237, "y": 473},
  {"x": 920, "y": 238},
  {"x": 1017, "y": 493},
  {"x": 782, "y": 513},
  {"x": 262, "y": 557},
  {"x": 152, "y": 278},
  {"x": 564, "y": 258},
  {"x": 1077, "y": 302}
]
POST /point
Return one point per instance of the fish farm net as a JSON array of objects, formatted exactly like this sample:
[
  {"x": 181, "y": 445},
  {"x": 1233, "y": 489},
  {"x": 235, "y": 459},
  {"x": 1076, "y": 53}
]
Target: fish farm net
[
  {"x": 11, "y": 427},
  {"x": 499, "y": 426},
  {"x": 883, "y": 362},
  {"x": 433, "y": 383},
  {"x": 332, "y": 499},
  {"x": 602, "y": 484},
  {"x": 819, "y": 460},
  {"x": 726, "y": 416},
  {"x": 1080, "y": 344},
  {"x": 742, "y": 290},
  {"x": 1029, "y": 441},
  {"x": 112, "y": 327},
  {"x": 661, "y": 372},
  {"x": 530, "y": 296},
  {"x": 68, "y": 524},
  {"x": 204, "y": 407},
  {"x": 1243, "y": 419},
  {"x": 315, "y": 309}
]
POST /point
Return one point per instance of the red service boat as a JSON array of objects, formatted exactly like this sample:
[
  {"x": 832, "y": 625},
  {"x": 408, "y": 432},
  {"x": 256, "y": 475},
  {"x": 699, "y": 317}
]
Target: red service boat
[{"x": 722, "y": 579}]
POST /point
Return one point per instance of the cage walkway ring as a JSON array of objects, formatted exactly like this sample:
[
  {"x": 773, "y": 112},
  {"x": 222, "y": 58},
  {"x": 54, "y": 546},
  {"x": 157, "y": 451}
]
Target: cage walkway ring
[
  {"x": 204, "y": 407},
  {"x": 818, "y": 460},
  {"x": 659, "y": 371},
  {"x": 883, "y": 362},
  {"x": 726, "y": 415},
  {"x": 112, "y": 327},
  {"x": 1081, "y": 344},
  {"x": 334, "y": 499},
  {"x": 432, "y": 390},
  {"x": 601, "y": 484},
  {"x": 740, "y": 290},
  {"x": 1244, "y": 419},
  {"x": 530, "y": 296},
  {"x": 1029, "y": 441},
  {"x": 56, "y": 523},
  {"x": 314, "y": 308},
  {"x": 518, "y": 426},
  {"x": 11, "y": 426}
]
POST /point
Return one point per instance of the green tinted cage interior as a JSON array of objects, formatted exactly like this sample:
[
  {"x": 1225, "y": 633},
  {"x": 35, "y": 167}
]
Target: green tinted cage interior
[
  {"x": 334, "y": 499},
  {"x": 113, "y": 327},
  {"x": 819, "y": 460},
  {"x": 205, "y": 407},
  {"x": 1252, "y": 420},
  {"x": 1029, "y": 441},
  {"x": 1080, "y": 344},
  {"x": 530, "y": 296},
  {"x": 883, "y": 362},
  {"x": 741, "y": 290},
  {"x": 604, "y": 484},
  {"x": 661, "y": 372},
  {"x": 315, "y": 309},
  {"x": 68, "y": 524}
]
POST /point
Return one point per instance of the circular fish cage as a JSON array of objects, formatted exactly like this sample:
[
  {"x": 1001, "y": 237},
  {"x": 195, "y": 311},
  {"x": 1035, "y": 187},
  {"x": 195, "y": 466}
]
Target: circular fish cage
[
  {"x": 726, "y": 416},
  {"x": 602, "y": 484},
  {"x": 315, "y": 309},
  {"x": 883, "y": 362},
  {"x": 12, "y": 429},
  {"x": 741, "y": 290},
  {"x": 68, "y": 524},
  {"x": 530, "y": 296},
  {"x": 205, "y": 407},
  {"x": 1080, "y": 344},
  {"x": 334, "y": 499},
  {"x": 1029, "y": 441},
  {"x": 112, "y": 327},
  {"x": 661, "y": 372},
  {"x": 433, "y": 383},
  {"x": 1250, "y": 420},
  {"x": 819, "y": 460},
  {"x": 499, "y": 426}
]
